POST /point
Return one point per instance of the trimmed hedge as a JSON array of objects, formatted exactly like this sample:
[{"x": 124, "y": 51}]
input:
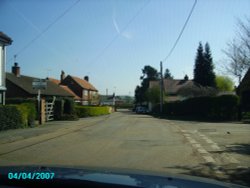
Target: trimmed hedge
[
  {"x": 28, "y": 113},
  {"x": 64, "y": 109},
  {"x": 10, "y": 118},
  {"x": 223, "y": 107},
  {"x": 86, "y": 111},
  {"x": 17, "y": 116},
  {"x": 20, "y": 100}
]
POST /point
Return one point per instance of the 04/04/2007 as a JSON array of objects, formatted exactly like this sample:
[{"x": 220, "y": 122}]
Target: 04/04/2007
[{"x": 31, "y": 175}]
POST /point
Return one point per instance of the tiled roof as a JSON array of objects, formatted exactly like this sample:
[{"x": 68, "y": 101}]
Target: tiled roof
[
  {"x": 172, "y": 86},
  {"x": 70, "y": 91},
  {"x": 83, "y": 83},
  {"x": 66, "y": 88},
  {"x": 185, "y": 88},
  {"x": 25, "y": 83},
  {"x": 54, "y": 80},
  {"x": 4, "y": 38}
]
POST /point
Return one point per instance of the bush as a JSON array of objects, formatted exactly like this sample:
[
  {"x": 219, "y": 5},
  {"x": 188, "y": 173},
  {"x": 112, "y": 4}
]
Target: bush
[
  {"x": 85, "y": 111},
  {"x": 212, "y": 108},
  {"x": 20, "y": 101},
  {"x": 27, "y": 112},
  {"x": 69, "y": 106},
  {"x": 64, "y": 109},
  {"x": 10, "y": 118},
  {"x": 58, "y": 109}
]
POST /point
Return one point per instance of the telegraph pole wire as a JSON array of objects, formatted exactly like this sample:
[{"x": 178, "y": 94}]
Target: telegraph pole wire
[
  {"x": 169, "y": 54},
  {"x": 47, "y": 28},
  {"x": 180, "y": 34}
]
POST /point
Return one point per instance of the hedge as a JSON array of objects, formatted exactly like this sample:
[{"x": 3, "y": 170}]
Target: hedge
[
  {"x": 28, "y": 113},
  {"x": 17, "y": 116},
  {"x": 10, "y": 118},
  {"x": 212, "y": 108},
  {"x": 86, "y": 111},
  {"x": 64, "y": 109}
]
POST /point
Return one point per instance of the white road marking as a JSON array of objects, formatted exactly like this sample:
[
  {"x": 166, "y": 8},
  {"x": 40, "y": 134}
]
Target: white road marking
[
  {"x": 215, "y": 146},
  {"x": 202, "y": 151},
  {"x": 192, "y": 141},
  {"x": 209, "y": 141},
  {"x": 209, "y": 159},
  {"x": 196, "y": 145}
]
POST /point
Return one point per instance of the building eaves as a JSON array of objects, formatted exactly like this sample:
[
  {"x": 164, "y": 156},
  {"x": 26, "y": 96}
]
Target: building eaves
[
  {"x": 5, "y": 39},
  {"x": 25, "y": 83}
]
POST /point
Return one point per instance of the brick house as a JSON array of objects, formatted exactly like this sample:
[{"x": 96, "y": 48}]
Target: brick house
[
  {"x": 4, "y": 41},
  {"x": 20, "y": 86},
  {"x": 84, "y": 92}
]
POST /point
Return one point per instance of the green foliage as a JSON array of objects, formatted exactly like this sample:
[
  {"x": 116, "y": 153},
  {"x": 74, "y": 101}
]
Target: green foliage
[
  {"x": 64, "y": 109},
  {"x": 204, "y": 69},
  {"x": 86, "y": 111},
  {"x": 20, "y": 100},
  {"x": 27, "y": 112},
  {"x": 58, "y": 109},
  {"x": 153, "y": 94},
  {"x": 245, "y": 100},
  {"x": 167, "y": 74},
  {"x": 124, "y": 106},
  {"x": 224, "y": 83},
  {"x": 69, "y": 106},
  {"x": 10, "y": 118},
  {"x": 210, "y": 108},
  {"x": 149, "y": 74}
]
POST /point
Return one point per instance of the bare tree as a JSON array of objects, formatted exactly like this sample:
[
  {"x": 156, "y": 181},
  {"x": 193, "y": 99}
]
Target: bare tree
[{"x": 238, "y": 51}]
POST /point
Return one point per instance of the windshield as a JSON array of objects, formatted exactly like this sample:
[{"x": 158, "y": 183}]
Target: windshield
[{"x": 149, "y": 85}]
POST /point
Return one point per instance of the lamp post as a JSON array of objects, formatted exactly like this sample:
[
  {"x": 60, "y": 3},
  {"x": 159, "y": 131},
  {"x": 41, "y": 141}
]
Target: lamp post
[{"x": 161, "y": 89}]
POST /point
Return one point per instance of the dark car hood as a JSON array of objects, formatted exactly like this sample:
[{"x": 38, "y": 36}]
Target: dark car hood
[{"x": 120, "y": 177}]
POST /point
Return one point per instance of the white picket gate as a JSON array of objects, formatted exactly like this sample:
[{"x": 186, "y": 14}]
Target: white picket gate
[{"x": 49, "y": 110}]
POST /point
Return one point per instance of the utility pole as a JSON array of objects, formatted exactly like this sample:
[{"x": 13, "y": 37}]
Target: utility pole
[{"x": 161, "y": 88}]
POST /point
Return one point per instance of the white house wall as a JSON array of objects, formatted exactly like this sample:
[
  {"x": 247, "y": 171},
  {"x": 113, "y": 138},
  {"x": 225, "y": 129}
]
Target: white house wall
[{"x": 2, "y": 67}]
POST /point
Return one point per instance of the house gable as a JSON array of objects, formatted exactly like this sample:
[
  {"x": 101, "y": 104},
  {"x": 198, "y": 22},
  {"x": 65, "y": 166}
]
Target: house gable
[{"x": 73, "y": 85}]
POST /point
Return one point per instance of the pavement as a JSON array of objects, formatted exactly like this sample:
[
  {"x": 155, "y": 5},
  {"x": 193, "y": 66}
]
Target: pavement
[{"x": 126, "y": 140}]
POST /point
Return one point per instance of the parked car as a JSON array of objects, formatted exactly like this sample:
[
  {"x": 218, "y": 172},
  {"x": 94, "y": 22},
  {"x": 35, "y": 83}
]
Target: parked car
[{"x": 141, "y": 110}]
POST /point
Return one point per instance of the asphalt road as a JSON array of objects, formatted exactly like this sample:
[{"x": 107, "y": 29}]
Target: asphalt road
[{"x": 126, "y": 140}]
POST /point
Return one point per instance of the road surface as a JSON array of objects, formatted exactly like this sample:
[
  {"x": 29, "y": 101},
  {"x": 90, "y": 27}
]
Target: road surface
[{"x": 126, "y": 140}]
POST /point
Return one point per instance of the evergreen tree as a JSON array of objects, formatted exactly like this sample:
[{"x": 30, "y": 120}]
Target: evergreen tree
[
  {"x": 167, "y": 74},
  {"x": 209, "y": 67},
  {"x": 204, "y": 69},
  {"x": 199, "y": 66}
]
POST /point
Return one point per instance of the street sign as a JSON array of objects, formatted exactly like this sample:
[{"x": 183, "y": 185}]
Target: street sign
[{"x": 39, "y": 84}]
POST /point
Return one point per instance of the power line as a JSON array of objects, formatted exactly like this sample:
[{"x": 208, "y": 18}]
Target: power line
[
  {"x": 47, "y": 28},
  {"x": 116, "y": 36},
  {"x": 180, "y": 34}
]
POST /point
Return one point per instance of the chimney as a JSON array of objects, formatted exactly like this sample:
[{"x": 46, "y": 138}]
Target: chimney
[
  {"x": 86, "y": 78},
  {"x": 62, "y": 75},
  {"x": 16, "y": 70}
]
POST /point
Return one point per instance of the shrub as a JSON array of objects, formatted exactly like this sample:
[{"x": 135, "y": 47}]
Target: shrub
[
  {"x": 10, "y": 118},
  {"x": 20, "y": 100},
  {"x": 64, "y": 109},
  {"x": 27, "y": 112},
  {"x": 58, "y": 109},
  {"x": 212, "y": 108},
  {"x": 85, "y": 111},
  {"x": 69, "y": 106}
]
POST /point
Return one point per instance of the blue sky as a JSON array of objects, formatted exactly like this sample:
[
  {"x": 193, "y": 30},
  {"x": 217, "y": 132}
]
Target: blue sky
[{"x": 112, "y": 40}]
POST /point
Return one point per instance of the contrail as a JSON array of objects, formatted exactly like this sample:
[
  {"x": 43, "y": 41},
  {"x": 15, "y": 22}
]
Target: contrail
[{"x": 114, "y": 22}]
